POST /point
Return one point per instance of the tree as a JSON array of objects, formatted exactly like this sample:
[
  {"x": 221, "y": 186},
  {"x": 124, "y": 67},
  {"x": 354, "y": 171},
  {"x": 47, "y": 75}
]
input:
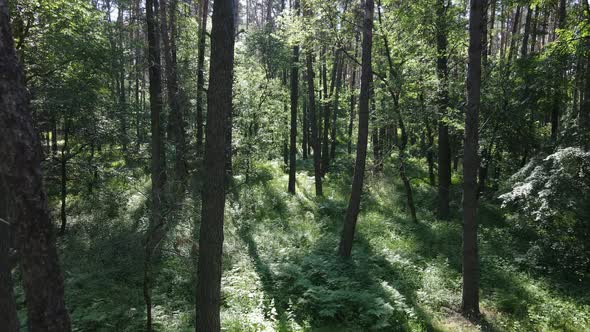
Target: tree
[
  {"x": 22, "y": 185},
  {"x": 176, "y": 119},
  {"x": 158, "y": 168},
  {"x": 201, "y": 72},
  {"x": 219, "y": 107},
  {"x": 315, "y": 139},
  {"x": 294, "y": 100},
  {"x": 444, "y": 144},
  {"x": 470, "y": 298},
  {"x": 354, "y": 203}
]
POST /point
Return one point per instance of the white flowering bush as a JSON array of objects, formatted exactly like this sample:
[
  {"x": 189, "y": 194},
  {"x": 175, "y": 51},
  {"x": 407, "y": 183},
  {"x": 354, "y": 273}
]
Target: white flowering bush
[{"x": 549, "y": 198}]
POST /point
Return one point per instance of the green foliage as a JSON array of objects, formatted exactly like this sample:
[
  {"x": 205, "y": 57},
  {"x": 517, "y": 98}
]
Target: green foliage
[{"x": 551, "y": 197}]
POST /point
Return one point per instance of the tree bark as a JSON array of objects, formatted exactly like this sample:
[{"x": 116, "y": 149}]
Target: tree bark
[
  {"x": 8, "y": 312},
  {"x": 219, "y": 109},
  {"x": 64, "y": 179},
  {"x": 294, "y": 100},
  {"x": 470, "y": 296},
  {"x": 526, "y": 33},
  {"x": 21, "y": 178},
  {"x": 175, "y": 119},
  {"x": 352, "y": 96},
  {"x": 444, "y": 144},
  {"x": 315, "y": 139},
  {"x": 352, "y": 212},
  {"x": 158, "y": 157},
  {"x": 201, "y": 73},
  {"x": 492, "y": 35},
  {"x": 305, "y": 131}
]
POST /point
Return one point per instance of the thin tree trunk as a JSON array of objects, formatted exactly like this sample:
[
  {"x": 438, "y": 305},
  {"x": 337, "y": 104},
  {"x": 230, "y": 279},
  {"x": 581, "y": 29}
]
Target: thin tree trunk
[
  {"x": 158, "y": 168},
  {"x": 305, "y": 130},
  {"x": 201, "y": 73},
  {"x": 315, "y": 139},
  {"x": 352, "y": 212},
  {"x": 336, "y": 108},
  {"x": 21, "y": 178},
  {"x": 491, "y": 30},
  {"x": 219, "y": 109},
  {"x": 352, "y": 96},
  {"x": 444, "y": 144},
  {"x": 294, "y": 100},
  {"x": 8, "y": 313},
  {"x": 526, "y": 33},
  {"x": 513, "y": 33},
  {"x": 63, "y": 183},
  {"x": 535, "y": 29},
  {"x": 175, "y": 120},
  {"x": 121, "y": 79},
  {"x": 470, "y": 296}
]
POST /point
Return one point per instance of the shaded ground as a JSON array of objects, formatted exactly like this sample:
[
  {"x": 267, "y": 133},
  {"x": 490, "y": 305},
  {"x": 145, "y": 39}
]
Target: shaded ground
[{"x": 281, "y": 272}]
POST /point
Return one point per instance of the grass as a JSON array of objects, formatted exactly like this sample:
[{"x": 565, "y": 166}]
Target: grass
[{"x": 281, "y": 272}]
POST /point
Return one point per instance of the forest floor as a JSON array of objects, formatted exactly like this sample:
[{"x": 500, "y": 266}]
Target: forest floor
[{"x": 281, "y": 272}]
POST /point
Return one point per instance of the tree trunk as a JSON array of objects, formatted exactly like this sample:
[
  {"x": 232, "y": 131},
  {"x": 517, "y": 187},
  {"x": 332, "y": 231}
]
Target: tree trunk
[
  {"x": 158, "y": 157},
  {"x": 63, "y": 183},
  {"x": 53, "y": 136},
  {"x": 470, "y": 298},
  {"x": 534, "y": 30},
  {"x": 21, "y": 178},
  {"x": 352, "y": 212},
  {"x": 444, "y": 144},
  {"x": 219, "y": 109},
  {"x": 491, "y": 30},
  {"x": 201, "y": 73},
  {"x": 352, "y": 96},
  {"x": 526, "y": 33},
  {"x": 305, "y": 130},
  {"x": 121, "y": 80},
  {"x": 336, "y": 107},
  {"x": 513, "y": 33},
  {"x": 175, "y": 119},
  {"x": 8, "y": 312},
  {"x": 294, "y": 100},
  {"x": 315, "y": 139}
]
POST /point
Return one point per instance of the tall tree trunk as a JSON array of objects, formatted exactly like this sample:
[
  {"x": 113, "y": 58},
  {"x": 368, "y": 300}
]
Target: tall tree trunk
[
  {"x": 294, "y": 100},
  {"x": 526, "y": 33},
  {"x": 158, "y": 168},
  {"x": 585, "y": 103},
  {"x": 305, "y": 130},
  {"x": 176, "y": 120},
  {"x": 535, "y": 29},
  {"x": 219, "y": 109},
  {"x": 121, "y": 80},
  {"x": 138, "y": 74},
  {"x": 354, "y": 203},
  {"x": 53, "y": 136},
  {"x": 470, "y": 298},
  {"x": 484, "y": 32},
  {"x": 315, "y": 139},
  {"x": 352, "y": 96},
  {"x": 8, "y": 312},
  {"x": 444, "y": 144},
  {"x": 557, "y": 102},
  {"x": 335, "y": 108},
  {"x": 201, "y": 73},
  {"x": 491, "y": 30},
  {"x": 65, "y": 152},
  {"x": 513, "y": 33},
  {"x": 21, "y": 178},
  {"x": 326, "y": 112}
]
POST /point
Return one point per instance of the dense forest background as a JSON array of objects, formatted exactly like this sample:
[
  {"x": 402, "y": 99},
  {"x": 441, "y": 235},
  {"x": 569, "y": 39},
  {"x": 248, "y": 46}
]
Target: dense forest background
[{"x": 336, "y": 151}]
